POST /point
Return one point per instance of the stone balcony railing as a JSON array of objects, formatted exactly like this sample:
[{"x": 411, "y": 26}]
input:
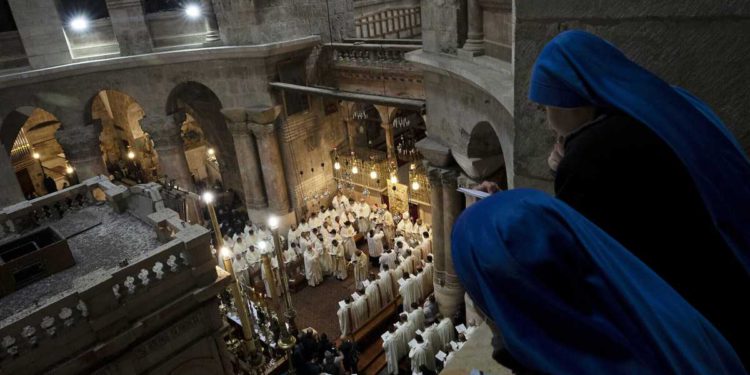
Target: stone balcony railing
[
  {"x": 365, "y": 54},
  {"x": 99, "y": 313}
]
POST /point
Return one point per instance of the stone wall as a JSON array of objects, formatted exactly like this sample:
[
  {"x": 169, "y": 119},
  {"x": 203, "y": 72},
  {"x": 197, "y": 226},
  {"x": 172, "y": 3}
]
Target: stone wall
[
  {"x": 693, "y": 44},
  {"x": 443, "y": 25}
]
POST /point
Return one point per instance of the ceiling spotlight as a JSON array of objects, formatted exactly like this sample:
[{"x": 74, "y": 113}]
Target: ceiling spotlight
[
  {"x": 355, "y": 170},
  {"x": 193, "y": 11},
  {"x": 415, "y": 185},
  {"x": 79, "y": 23}
]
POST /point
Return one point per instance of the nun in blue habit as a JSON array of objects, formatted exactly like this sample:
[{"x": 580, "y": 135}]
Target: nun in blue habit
[
  {"x": 655, "y": 168},
  {"x": 567, "y": 298}
]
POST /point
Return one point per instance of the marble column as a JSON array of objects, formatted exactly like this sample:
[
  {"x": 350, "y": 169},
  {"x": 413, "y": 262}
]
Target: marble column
[
  {"x": 247, "y": 157},
  {"x": 82, "y": 149},
  {"x": 264, "y": 129},
  {"x": 436, "y": 209},
  {"x": 390, "y": 149},
  {"x": 450, "y": 295},
  {"x": 166, "y": 133},
  {"x": 10, "y": 190},
  {"x": 129, "y": 25},
  {"x": 474, "y": 45}
]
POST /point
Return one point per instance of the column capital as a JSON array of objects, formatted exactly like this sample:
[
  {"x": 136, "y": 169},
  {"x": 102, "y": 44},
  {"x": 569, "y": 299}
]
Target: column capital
[
  {"x": 263, "y": 116},
  {"x": 435, "y": 175},
  {"x": 450, "y": 178},
  {"x": 165, "y": 131}
]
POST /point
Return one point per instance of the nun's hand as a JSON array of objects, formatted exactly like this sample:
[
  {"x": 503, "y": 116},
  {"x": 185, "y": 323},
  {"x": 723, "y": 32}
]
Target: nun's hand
[{"x": 488, "y": 187}]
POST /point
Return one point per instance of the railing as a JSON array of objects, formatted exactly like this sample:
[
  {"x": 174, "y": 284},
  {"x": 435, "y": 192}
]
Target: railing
[
  {"x": 92, "y": 312},
  {"x": 391, "y": 23},
  {"x": 357, "y": 54}
]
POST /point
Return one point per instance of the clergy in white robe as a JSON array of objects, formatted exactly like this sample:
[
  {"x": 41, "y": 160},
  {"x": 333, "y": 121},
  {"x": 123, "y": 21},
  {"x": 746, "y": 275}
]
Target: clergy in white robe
[
  {"x": 445, "y": 330},
  {"x": 385, "y": 280},
  {"x": 388, "y": 258},
  {"x": 347, "y": 233},
  {"x": 339, "y": 259},
  {"x": 390, "y": 347},
  {"x": 401, "y": 246},
  {"x": 361, "y": 267},
  {"x": 416, "y": 316},
  {"x": 239, "y": 265},
  {"x": 389, "y": 225},
  {"x": 416, "y": 287},
  {"x": 426, "y": 245},
  {"x": 313, "y": 272},
  {"x": 339, "y": 202},
  {"x": 375, "y": 245},
  {"x": 326, "y": 263},
  {"x": 290, "y": 254},
  {"x": 293, "y": 234},
  {"x": 406, "y": 290},
  {"x": 408, "y": 332},
  {"x": 271, "y": 280},
  {"x": 427, "y": 274},
  {"x": 431, "y": 336},
  {"x": 360, "y": 310},
  {"x": 252, "y": 256},
  {"x": 345, "y": 317},
  {"x": 421, "y": 355},
  {"x": 374, "y": 296}
]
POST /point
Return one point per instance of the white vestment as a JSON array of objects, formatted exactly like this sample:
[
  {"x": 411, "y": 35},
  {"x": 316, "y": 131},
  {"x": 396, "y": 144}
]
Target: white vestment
[
  {"x": 375, "y": 244},
  {"x": 446, "y": 331},
  {"x": 386, "y": 286},
  {"x": 389, "y": 259},
  {"x": 416, "y": 317},
  {"x": 420, "y": 355},
  {"x": 406, "y": 290},
  {"x": 373, "y": 298},
  {"x": 312, "y": 268},
  {"x": 360, "y": 270},
  {"x": 359, "y": 312},
  {"x": 431, "y": 335},
  {"x": 427, "y": 283},
  {"x": 348, "y": 234},
  {"x": 390, "y": 347},
  {"x": 345, "y": 320}
]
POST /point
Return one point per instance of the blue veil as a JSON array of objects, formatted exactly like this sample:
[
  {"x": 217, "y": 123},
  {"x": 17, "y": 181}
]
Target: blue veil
[
  {"x": 579, "y": 69},
  {"x": 569, "y": 299}
]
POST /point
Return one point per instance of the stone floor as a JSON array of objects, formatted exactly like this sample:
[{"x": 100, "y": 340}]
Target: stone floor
[{"x": 101, "y": 239}]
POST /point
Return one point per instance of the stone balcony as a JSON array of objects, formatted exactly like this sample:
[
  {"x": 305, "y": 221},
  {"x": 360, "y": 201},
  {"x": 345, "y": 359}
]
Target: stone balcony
[{"x": 140, "y": 272}]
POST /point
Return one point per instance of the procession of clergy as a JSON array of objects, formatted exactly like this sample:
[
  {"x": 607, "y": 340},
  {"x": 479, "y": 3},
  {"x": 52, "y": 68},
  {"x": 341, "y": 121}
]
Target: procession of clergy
[{"x": 326, "y": 243}]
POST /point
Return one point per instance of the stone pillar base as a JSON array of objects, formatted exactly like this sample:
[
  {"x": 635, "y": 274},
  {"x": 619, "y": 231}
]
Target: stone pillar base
[
  {"x": 449, "y": 299},
  {"x": 471, "y": 50}
]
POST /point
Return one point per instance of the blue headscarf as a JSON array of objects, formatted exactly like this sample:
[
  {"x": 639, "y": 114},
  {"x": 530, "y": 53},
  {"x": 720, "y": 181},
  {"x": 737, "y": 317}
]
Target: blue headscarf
[
  {"x": 569, "y": 299},
  {"x": 580, "y": 69}
]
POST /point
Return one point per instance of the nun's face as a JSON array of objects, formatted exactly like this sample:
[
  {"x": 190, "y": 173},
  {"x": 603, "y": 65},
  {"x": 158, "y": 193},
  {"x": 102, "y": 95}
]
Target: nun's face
[{"x": 567, "y": 120}]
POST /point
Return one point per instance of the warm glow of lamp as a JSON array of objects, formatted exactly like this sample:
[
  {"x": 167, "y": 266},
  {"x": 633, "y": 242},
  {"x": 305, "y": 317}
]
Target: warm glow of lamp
[
  {"x": 373, "y": 175},
  {"x": 211, "y": 151},
  {"x": 69, "y": 170},
  {"x": 79, "y": 23},
  {"x": 355, "y": 170},
  {"x": 193, "y": 11},
  {"x": 273, "y": 222},
  {"x": 208, "y": 197},
  {"x": 394, "y": 179},
  {"x": 413, "y": 166},
  {"x": 225, "y": 252},
  {"x": 337, "y": 166},
  {"x": 36, "y": 155},
  {"x": 415, "y": 185},
  {"x": 131, "y": 155}
]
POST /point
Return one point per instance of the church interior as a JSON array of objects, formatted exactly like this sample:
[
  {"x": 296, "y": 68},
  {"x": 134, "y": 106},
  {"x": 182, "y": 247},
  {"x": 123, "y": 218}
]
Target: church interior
[{"x": 271, "y": 186}]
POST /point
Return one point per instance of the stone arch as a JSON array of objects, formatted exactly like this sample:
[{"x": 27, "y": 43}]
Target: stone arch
[
  {"x": 368, "y": 130},
  {"x": 484, "y": 156},
  {"x": 203, "y": 109},
  {"x": 29, "y": 139}
]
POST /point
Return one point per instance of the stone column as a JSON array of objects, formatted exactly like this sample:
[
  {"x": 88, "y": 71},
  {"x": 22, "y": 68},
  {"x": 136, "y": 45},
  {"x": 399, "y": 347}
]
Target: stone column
[
  {"x": 390, "y": 149},
  {"x": 247, "y": 157},
  {"x": 212, "y": 26},
  {"x": 10, "y": 190},
  {"x": 166, "y": 133},
  {"x": 451, "y": 294},
  {"x": 82, "y": 149},
  {"x": 474, "y": 45},
  {"x": 41, "y": 31},
  {"x": 129, "y": 25},
  {"x": 436, "y": 202},
  {"x": 263, "y": 127}
]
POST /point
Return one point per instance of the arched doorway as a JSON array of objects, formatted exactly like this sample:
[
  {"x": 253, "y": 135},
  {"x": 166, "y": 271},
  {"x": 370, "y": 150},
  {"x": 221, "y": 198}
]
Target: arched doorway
[
  {"x": 209, "y": 146},
  {"x": 37, "y": 157},
  {"x": 127, "y": 150},
  {"x": 368, "y": 129}
]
